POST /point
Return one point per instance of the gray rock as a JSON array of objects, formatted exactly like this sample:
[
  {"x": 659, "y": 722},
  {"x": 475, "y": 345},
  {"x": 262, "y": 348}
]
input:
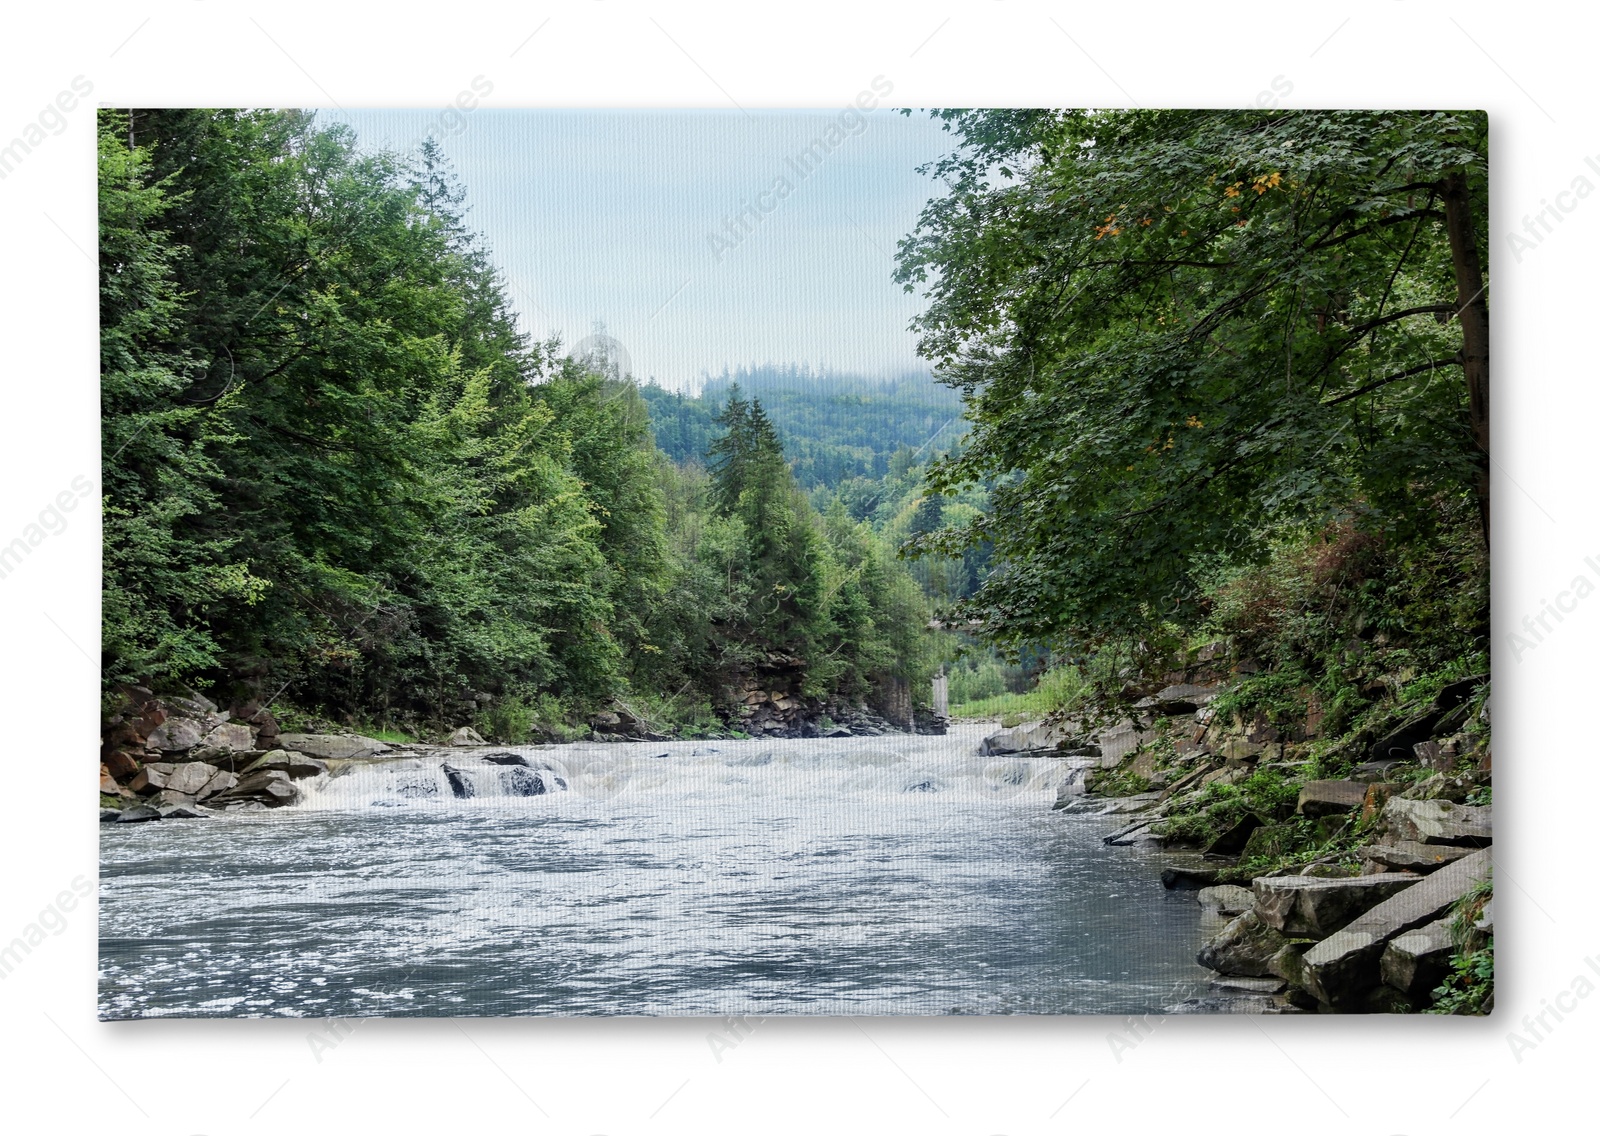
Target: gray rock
[
  {"x": 269, "y": 787},
  {"x": 1326, "y": 798},
  {"x": 151, "y": 777},
  {"x": 466, "y": 736},
  {"x": 189, "y": 778},
  {"x": 1318, "y": 906},
  {"x": 333, "y": 745},
  {"x": 1184, "y": 698},
  {"x": 1417, "y": 961},
  {"x": 230, "y": 737},
  {"x": 181, "y": 811},
  {"x": 109, "y": 815},
  {"x": 137, "y": 813},
  {"x": 220, "y": 782},
  {"x": 174, "y": 735},
  {"x": 1409, "y": 856},
  {"x": 291, "y": 762},
  {"x": 1248, "y": 947},
  {"x": 1345, "y": 964},
  {"x": 1025, "y": 738},
  {"x": 460, "y": 784},
  {"x": 1438, "y": 822},
  {"x": 505, "y": 759},
  {"x": 1119, "y": 741},
  {"x": 1226, "y": 899},
  {"x": 1270, "y": 985},
  {"x": 1234, "y": 841}
]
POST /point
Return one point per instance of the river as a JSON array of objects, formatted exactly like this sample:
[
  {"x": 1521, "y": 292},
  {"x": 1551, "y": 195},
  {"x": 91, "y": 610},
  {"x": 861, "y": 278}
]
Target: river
[{"x": 891, "y": 875}]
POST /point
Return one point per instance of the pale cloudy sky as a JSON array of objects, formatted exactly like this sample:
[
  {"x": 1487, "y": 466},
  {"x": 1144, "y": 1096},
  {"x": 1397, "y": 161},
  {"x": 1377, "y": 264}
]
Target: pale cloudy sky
[{"x": 608, "y": 215}]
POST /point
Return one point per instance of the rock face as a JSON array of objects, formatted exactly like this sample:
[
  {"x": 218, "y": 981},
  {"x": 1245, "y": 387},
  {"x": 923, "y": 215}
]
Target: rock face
[
  {"x": 466, "y": 736},
  {"x": 1249, "y": 947},
  {"x": 230, "y": 737},
  {"x": 1025, "y": 738},
  {"x": 460, "y": 784},
  {"x": 1438, "y": 822},
  {"x": 174, "y": 735},
  {"x": 1344, "y": 966},
  {"x": 1325, "y": 798},
  {"x": 1417, "y": 961},
  {"x": 1226, "y": 899},
  {"x": 269, "y": 787},
  {"x": 295, "y": 765},
  {"x": 333, "y": 745},
  {"x": 1409, "y": 856},
  {"x": 1317, "y": 906}
]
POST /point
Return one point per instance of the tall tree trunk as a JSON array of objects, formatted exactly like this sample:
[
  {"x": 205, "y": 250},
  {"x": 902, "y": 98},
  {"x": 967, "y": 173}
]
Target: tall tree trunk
[{"x": 1473, "y": 311}]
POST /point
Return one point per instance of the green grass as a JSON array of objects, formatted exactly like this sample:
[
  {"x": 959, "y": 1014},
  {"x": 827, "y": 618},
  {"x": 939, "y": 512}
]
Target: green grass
[
  {"x": 398, "y": 737},
  {"x": 1059, "y": 690}
]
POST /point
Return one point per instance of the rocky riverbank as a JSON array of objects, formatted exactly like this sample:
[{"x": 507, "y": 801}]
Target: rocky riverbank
[{"x": 1346, "y": 874}]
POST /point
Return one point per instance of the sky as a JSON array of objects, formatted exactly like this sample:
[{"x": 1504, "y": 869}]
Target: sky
[{"x": 619, "y": 217}]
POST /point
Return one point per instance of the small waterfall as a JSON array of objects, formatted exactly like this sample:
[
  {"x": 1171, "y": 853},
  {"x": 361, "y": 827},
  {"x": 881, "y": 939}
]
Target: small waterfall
[{"x": 940, "y": 769}]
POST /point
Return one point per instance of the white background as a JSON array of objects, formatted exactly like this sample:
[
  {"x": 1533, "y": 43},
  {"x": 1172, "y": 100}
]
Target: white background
[{"x": 1531, "y": 66}]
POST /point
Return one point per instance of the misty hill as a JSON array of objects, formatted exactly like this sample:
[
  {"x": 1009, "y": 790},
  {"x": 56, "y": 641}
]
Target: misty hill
[{"x": 834, "y": 426}]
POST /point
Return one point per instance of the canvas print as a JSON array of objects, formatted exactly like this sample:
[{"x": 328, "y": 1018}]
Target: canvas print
[{"x": 821, "y": 562}]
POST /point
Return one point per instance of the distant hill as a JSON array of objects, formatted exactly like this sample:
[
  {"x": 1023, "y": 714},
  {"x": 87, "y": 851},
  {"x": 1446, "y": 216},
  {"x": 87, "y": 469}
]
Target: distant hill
[{"x": 834, "y": 426}]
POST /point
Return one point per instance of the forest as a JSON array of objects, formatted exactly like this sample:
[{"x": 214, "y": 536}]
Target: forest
[{"x": 339, "y": 479}]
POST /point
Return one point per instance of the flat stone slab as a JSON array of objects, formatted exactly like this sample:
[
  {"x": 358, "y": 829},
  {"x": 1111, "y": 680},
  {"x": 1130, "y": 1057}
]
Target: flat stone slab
[
  {"x": 1226, "y": 899},
  {"x": 1325, "y": 798},
  {"x": 1318, "y": 906},
  {"x": 1439, "y": 822},
  {"x": 333, "y": 745},
  {"x": 1345, "y": 964},
  {"x": 1417, "y": 961},
  {"x": 1411, "y": 856}
]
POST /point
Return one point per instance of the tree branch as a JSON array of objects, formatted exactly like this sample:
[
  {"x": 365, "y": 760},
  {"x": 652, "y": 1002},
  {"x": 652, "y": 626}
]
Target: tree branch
[{"x": 1406, "y": 374}]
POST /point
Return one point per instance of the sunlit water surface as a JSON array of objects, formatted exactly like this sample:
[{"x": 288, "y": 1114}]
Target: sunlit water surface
[{"x": 893, "y": 875}]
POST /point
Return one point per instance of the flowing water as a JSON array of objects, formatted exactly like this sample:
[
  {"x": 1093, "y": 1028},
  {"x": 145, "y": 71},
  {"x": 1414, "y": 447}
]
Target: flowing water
[{"x": 892, "y": 875}]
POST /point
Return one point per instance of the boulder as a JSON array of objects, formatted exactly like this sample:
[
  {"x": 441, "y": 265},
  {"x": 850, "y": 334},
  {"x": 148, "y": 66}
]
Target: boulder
[
  {"x": 230, "y": 737},
  {"x": 1248, "y": 985},
  {"x": 1317, "y": 906},
  {"x": 519, "y": 781},
  {"x": 1119, "y": 741},
  {"x": 1417, "y": 961},
  {"x": 1338, "y": 970},
  {"x": 460, "y": 784},
  {"x": 1226, "y": 899},
  {"x": 174, "y": 736},
  {"x": 1249, "y": 947},
  {"x": 220, "y": 782},
  {"x": 1438, "y": 822},
  {"x": 107, "y": 816},
  {"x": 1325, "y": 798},
  {"x": 108, "y": 783},
  {"x": 269, "y": 787},
  {"x": 181, "y": 811},
  {"x": 1409, "y": 856},
  {"x": 152, "y": 777},
  {"x": 1269, "y": 841},
  {"x": 505, "y": 758},
  {"x": 467, "y": 736},
  {"x": 1378, "y": 794},
  {"x": 296, "y": 765},
  {"x": 333, "y": 745},
  {"x": 1025, "y": 738},
  {"x": 1234, "y": 841},
  {"x": 172, "y": 799},
  {"x": 1187, "y": 879},
  {"x": 122, "y": 764},
  {"x": 137, "y": 813},
  {"x": 1184, "y": 697},
  {"x": 189, "y": 778},
  {"x": 1452, "y": 787}
]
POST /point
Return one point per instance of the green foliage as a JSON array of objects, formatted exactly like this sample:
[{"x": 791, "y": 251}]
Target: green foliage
[
  {"x": 1180, "y": 333},
  {"x": 334, "y": 467},
  {"x": 1469, "y": 986}
]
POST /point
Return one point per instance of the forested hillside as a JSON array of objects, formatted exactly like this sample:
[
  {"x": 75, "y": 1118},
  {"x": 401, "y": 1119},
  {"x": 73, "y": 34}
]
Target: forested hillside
[
  {"x": 339, "y": 479},
  {"x": 833, "y": 426}
]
